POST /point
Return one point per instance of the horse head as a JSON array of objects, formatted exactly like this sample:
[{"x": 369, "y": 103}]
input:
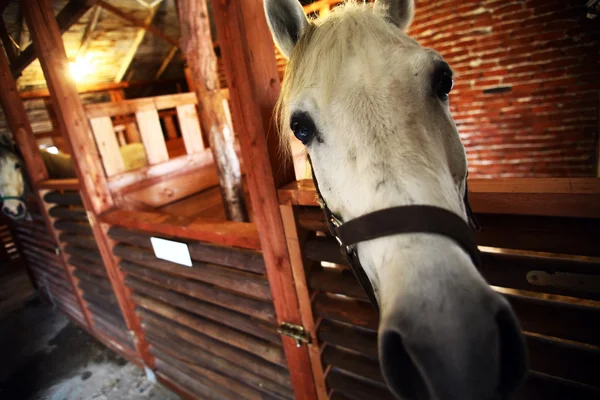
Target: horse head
[
  {"x": 12, "y": 181},
  {"x": 371, "y": 107}
]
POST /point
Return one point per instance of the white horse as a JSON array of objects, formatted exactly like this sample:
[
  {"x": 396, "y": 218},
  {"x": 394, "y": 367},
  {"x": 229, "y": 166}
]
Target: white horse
[
  {"x": 371, "y": 107},
  {"x": 13, "y": 186}
]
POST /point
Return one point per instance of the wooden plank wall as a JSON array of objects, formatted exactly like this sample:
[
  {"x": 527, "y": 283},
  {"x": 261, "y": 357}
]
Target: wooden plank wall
[
  {"x": 9, "y": 253},
  {"x": 212, "y": 327},
  {"x": 39, "y": 249},
  {"x": 548, "y": 268},
  {"x": 83, "y": 256}
]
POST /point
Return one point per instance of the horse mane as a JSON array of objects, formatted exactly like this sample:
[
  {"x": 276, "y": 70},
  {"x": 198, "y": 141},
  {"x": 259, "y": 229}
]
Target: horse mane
[{"x": 335, "y": 45}]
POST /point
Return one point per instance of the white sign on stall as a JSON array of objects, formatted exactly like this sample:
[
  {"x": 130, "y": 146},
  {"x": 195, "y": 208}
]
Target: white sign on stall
[{"x": 171, "y": 251}]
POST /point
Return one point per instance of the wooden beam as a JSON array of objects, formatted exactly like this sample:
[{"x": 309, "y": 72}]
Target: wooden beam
[
  {"x": 98, "y": 87},
  {"x": 137, "y": 41},
  {"x": 9, "y": 47},
  {"x": 196, "y": 44},
  {"x": 89, "y": 31},
  {"x": 136, "y": 22},
  {"x": 47, "y": 41},
  {"x": 166, "y": 61},
  {"x": 18, "y": 123},
  {"x": 248, "y": 54},
  {"x": 224, "y": 233},
  {"x": 69, "y": 15}
]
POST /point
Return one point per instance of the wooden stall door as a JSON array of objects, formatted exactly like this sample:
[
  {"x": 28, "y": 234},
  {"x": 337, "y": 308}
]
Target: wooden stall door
[{"x": 539, "y": 250}]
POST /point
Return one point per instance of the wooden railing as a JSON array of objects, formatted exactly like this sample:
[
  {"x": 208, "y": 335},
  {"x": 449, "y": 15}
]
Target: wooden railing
[{"x": 165, "y": 178}]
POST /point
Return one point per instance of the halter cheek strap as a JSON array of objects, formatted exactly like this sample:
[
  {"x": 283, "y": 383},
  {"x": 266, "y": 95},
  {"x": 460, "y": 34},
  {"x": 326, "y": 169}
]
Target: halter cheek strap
[{"x": 393, "y": 221}]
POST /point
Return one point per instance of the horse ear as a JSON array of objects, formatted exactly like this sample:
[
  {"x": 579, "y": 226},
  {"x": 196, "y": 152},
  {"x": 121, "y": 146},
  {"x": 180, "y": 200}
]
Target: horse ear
[
  {"x": 399, "y": 12},
  {"x": 287, "y": 22}
]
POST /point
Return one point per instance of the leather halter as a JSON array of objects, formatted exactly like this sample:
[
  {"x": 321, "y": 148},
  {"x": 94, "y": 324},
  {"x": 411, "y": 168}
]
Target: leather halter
[{"x": 398, "y": 220}]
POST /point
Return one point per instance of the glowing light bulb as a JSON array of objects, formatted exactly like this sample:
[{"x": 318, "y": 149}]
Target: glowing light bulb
[{"x": 52, "y": 150}]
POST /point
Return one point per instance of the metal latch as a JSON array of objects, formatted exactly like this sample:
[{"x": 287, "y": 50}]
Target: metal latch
[
  {"x": 295, "y": 331},
  {"x": 566, "y": 280}
]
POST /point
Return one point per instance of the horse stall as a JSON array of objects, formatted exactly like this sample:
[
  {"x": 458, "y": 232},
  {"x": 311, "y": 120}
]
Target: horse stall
[{"x": 148, "y": 256}]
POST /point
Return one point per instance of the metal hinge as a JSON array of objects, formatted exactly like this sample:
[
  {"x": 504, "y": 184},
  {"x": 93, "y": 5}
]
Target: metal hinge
[{"x": 295, "y": 331}]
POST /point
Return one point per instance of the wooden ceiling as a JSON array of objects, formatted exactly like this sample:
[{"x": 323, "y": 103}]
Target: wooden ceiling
[{"x": 110, "y": 41}]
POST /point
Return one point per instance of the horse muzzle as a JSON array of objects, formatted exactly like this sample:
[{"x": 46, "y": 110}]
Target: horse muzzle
[{"x": 467, "y": 346}]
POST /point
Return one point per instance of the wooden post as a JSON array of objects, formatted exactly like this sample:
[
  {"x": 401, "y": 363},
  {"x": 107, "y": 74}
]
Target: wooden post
[
  {"x": 76, "y": 128},
  {"x": 18, "y": 122},
  {"x": 197, "y": 46},
  {"x": 249, "y": 58}
]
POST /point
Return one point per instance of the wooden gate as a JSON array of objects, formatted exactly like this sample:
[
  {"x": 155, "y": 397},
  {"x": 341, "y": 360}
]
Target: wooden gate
[{"x": 540, "y": 249}]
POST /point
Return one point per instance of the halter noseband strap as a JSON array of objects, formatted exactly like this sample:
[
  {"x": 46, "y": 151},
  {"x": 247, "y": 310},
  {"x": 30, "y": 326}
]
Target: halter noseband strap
[{"x": 393, "y": 221}]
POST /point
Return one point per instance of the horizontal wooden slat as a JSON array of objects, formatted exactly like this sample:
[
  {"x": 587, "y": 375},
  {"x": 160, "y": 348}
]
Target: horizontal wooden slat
[
  {"x": 143, "y": 104},
  {"x": 361, "y": 340},
  {"x": 87, "y": 266},
  {"x": 511, "y": 271},
  {"x": 545, "y": 234},
  {"x": 543, "y": 387},
  {"x": 504, "y": 270},
  {"x": 247, "y": 260},
  {"x": 74, "y": 214},
  {"x": 336, "y": 280},
  {"x": 221, "y": 315},
  {"x": 202, "y": 291},
  {"x": 568, "y": 197},
  {"x": 189, "y": 383},
  {"x": 344, "y": 309},
  {"x": 352, "y": 362},
  {"x": 64, "y": 199},
  {"x": 237, "y": 281},
  {"x": 252, "y": 363},
  {"x": 354, "y": 388},
  {"x": 87, "y": 242},
  {"x": 568, "y": 361},
  {"x": 74, "y": 227},
  {"x": 58, "y": 184},
  {"x": 562, "y": 320},
  {"x": 216, "y": 331},
  {"x": 192, "y": 355},
  {"x": 88, "y": 254},
  {"x": 228, "y": 387},
  {"x": 151, "y": 174},
  {"x": 226, "y": 233}
]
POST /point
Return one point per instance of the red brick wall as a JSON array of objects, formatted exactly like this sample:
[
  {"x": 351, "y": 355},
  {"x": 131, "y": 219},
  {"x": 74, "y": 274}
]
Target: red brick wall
[{"x": 527, "y": 82}]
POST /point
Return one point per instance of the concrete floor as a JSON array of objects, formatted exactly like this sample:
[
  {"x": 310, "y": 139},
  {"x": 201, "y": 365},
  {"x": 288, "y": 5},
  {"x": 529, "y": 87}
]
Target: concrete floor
[{"x": 45, "y": 356}]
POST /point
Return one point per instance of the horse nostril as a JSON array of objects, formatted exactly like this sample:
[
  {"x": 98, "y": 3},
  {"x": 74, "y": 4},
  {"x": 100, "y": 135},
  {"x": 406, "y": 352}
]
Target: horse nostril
[
  {"x": 6, "y": 211},
  {"x": 20, "y": 209},
  {"x": 513, "y": 356},
  {"x": 399, "y": 370}
]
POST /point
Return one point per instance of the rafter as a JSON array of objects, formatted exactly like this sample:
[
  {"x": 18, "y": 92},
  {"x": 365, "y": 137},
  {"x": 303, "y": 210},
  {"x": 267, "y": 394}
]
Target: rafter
[
  {"x": 139, "y": 37},
  {"x": 89, "y": 31},
  {"x": 97, "y": 87},
  {"x": 136, "y": 22},
  {"x": 69, "y": 15},
  {"x": 6, "y": 41},
  {"x": 166, "y": 61}
]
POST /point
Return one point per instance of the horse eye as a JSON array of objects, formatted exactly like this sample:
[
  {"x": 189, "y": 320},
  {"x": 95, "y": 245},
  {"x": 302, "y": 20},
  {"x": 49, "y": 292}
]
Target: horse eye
[
  {"x": 443, "y": 83},
  {"x": 303, "y": 127},
  {"x": 17, "y": 166}
]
